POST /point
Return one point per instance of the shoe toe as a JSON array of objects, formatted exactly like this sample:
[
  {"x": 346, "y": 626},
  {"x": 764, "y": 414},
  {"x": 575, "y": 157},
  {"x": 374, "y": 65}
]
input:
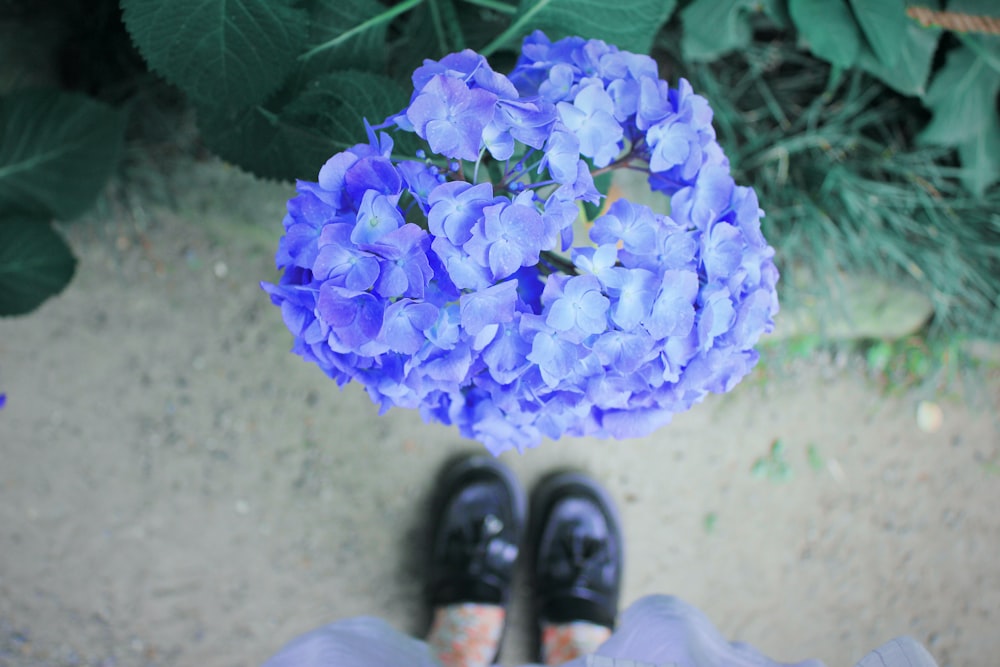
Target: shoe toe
[
  {"x": 479, "y": 525},
  {"x": 578, "y": 552}
]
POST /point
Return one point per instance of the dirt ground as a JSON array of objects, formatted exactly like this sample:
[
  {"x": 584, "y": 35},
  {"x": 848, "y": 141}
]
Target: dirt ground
[{"x": 177, "y": 489}]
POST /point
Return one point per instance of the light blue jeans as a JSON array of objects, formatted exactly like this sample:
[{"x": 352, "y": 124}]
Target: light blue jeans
[{"x": 656, "y": 631}]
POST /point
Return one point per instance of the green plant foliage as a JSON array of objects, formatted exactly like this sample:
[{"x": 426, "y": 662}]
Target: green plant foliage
[
  {"x": 980, "y": 158},
  {"x": 479, "y": 25},
  {"x": 815, "y": 459},
  {"x": 713, "y": 28},
  {"x": 236, "y": 51},
  {"x": 331, "y": 19},
  {"x": 877, "y": 36},
  {"x": 918, "y": 361},
  {"x": 884, "y": 23},
  {"x": 962, "y": 97},
  {"x": 829, "y": 29},
  {"x": 418, "y": 40},
  {"x": 774, "y": 466},
  {"x": 294, "y": 141},
  {"x": 35, "y": 264},
  {"x": 846, "y": 190},
  {"x": 629, "y": 24},
  {"x": 909, "y": 74},
  {"x": 57, "y": 150}
]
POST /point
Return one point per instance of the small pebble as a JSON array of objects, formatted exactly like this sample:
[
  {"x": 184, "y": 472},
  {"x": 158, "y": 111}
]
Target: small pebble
[
  {"x": 220, "y": 269},
  {"x": 930, "y": 416}
]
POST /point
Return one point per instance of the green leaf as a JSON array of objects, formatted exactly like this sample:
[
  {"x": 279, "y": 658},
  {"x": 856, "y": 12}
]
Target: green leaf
[
  {"x": 777, "y": 11},
  {"x": 35, "y": 264},
  {"x": 962, "y": 98},
  {"x": 816, "y": 461},
  {"x": 628, "y": 24},
  {"x": 981, "y": 159},
  {"x": 829, "y": 29},
  {"x": 879, "y": 355},
  {"x": 383, "y": 17},
  {"x": 916, "y": 55},
  {"x": 233, "y": 51},
  {"x": 417, "y": 41},
  {"x": 57, "y": 151},
  {"x": 986, "y": 46},
  {"x": 713, "y": 28},
  {"x": 884, "y": 23},
  {"x": 365, "y": 50},
  {"x": 296, "y": 141}
]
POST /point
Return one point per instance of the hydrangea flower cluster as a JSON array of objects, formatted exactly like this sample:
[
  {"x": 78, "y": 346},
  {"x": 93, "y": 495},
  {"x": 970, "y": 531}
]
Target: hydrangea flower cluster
[{"x": 450, "y": 283}]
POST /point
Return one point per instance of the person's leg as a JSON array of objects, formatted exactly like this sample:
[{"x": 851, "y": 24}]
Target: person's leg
[
  {"x": 478, "y": 527},
  {"x": 578, "y": 566}
]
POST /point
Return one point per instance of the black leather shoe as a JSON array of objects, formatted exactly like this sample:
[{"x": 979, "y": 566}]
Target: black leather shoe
[
  {"x": 577, "y": 544},
  {"x": 478, "y": 529}
]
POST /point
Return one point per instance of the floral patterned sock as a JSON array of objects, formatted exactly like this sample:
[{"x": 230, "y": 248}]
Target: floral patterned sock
[
  {"x": 466, "y": 634},
  {"x": 562, "y": 642}
]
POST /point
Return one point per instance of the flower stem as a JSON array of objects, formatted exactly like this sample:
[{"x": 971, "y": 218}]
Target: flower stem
[
  {"x": 475, "y": 172},
  {"x": 559, "y": 262}
]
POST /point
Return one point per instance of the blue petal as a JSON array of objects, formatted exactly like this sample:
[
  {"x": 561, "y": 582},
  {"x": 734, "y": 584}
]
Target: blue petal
[{"x": 493, "y": 305}]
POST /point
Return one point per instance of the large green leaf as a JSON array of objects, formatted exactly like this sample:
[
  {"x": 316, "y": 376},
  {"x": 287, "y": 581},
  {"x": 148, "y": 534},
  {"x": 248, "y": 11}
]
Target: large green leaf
[
  {"x": 962, "y": 98},
  {"x": 986, "y": 46},
  {"x": 828, "y": 27},
  {"x": 980, "y": 157},
  {"x": 916, "y": 55},
  {"x": 35, "y": 264},
  {"x": 628, "y": 24},
  {"x": 231, "y": 51},
  {"x": 57, "y": 150},
  {"x": 295, "y": 141},
  {"x": 364, "y": 50},
  {"x": 713, "y": 28},
  {"x": 884, "y": 23}
]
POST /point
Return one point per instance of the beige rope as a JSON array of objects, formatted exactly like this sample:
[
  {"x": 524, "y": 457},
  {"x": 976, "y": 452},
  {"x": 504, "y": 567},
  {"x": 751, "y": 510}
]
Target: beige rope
[{"x": 954, "y": 21}]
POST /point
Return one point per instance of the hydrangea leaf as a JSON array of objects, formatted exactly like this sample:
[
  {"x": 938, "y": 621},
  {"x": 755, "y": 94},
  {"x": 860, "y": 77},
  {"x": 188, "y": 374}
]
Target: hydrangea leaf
[
  {"x": 828, "y": 27},
  {"x": 916, "y": 55},
  {"x": 985, "y": 45},
  {"x": 713, "y": 28},
  {"x": 57, "y": 150},
  {"x": 295, "y": 141},
  {"x": 980, "y": 157},
  {"x": 35, "y": 264},
  {"x": 962, "y": 98},
  {"x": 884, "y": 23},
  {"x": 628, "y": 24},
  {"x": 329, "y": 19},
  {"x": 234, "y": 51}
]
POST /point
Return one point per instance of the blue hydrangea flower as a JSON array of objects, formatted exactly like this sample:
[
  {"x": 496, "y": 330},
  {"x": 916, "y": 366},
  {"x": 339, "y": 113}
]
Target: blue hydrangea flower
[
  {"x": 581, "y": 309},
  {"x": 451, "y": 281},
  {"x": 511, "y": 235},
  {"x": 451, "y": 116}
]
